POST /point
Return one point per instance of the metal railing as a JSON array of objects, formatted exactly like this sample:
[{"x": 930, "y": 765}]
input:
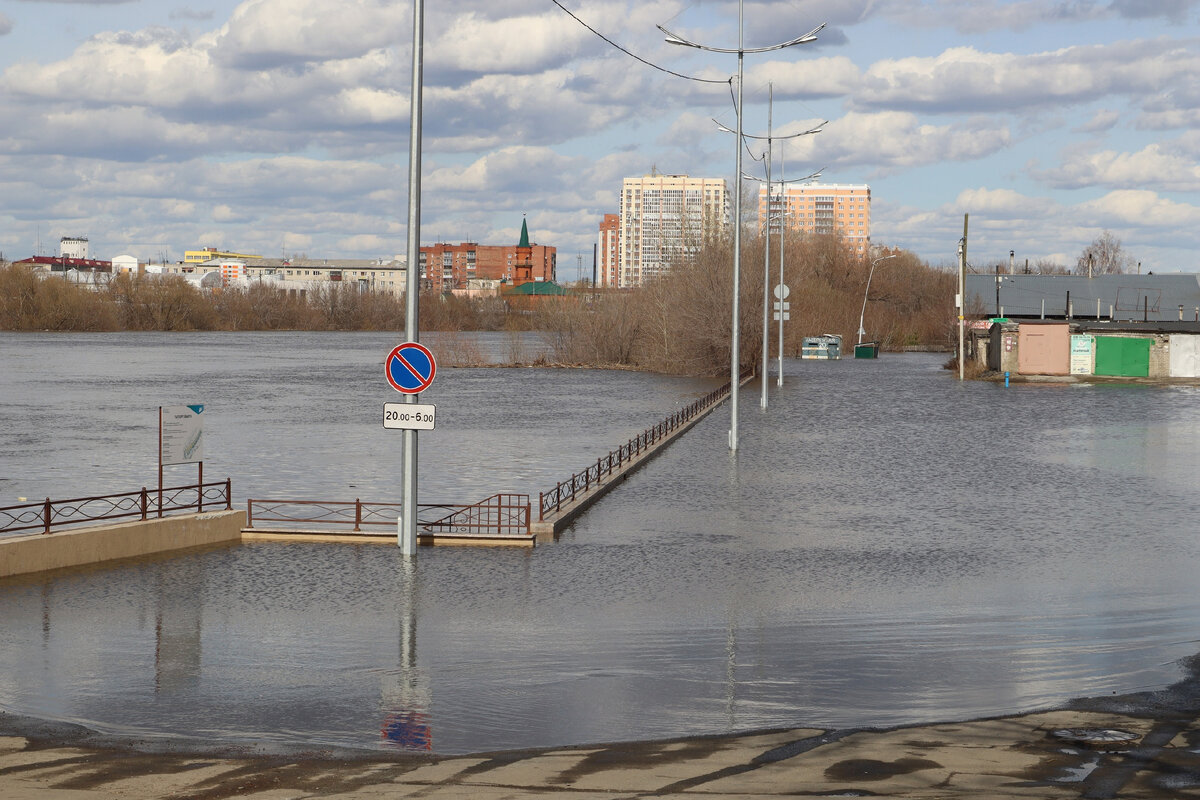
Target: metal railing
[
  {"x": 581, "y": 482},
  {"x": 143, "y": 504},
  {"x": 498, "y": 515}
]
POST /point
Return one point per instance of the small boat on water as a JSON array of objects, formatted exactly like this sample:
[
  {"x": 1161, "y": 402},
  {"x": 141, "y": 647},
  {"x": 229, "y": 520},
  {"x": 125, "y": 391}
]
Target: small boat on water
[
  {"x": 866, "y": 350},
  {"x": 826, "y": 347}
]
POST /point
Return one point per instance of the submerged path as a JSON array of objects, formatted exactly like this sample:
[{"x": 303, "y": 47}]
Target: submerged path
[{"x": 557, "y": 508}]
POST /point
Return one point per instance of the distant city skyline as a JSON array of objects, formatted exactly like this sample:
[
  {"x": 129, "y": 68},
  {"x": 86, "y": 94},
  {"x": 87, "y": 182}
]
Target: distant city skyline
[{"x": 281, "y": 126}]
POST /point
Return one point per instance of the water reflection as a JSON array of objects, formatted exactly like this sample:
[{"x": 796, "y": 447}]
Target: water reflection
[{"x": 887, "y": 546}]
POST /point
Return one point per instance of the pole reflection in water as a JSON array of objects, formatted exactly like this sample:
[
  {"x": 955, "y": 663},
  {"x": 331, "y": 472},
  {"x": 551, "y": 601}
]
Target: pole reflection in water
[
  {"x": 406, "y": 691},
  {"x": 178, "y": 627}
]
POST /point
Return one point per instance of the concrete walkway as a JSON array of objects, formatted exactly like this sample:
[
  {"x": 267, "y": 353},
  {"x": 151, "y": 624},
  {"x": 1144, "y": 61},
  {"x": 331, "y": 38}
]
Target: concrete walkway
[
  {"x": 1149, "y": 748},
  {"x": 554, "y": 521}
]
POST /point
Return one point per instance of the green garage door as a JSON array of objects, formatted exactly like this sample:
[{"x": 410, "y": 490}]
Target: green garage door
[{"x": 1122, "y": 356}]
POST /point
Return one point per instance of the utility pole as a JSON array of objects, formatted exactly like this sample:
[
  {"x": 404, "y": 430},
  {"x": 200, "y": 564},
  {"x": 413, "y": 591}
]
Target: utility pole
[{"x": 962, "y": 302}]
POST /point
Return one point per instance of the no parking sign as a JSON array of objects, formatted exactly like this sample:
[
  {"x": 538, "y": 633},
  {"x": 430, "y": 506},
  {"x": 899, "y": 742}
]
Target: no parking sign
[{"x": 410, "y": 368}]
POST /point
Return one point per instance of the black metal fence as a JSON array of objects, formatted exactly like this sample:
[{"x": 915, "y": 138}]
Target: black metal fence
[
  {"x": 498, "y": 515},
  {"x": 582, "y": 482},
  {"x": 143, "y": 504}
]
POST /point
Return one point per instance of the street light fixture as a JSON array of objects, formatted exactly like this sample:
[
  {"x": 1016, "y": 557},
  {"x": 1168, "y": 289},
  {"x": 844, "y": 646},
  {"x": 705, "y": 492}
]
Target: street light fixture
[
  {"x": 734, "y": 360},
  {"x": 767, "y": 234},
  {"x": 861, "y": 331}
]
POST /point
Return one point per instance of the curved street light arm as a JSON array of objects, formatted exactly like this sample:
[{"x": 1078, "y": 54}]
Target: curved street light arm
[
  {"x": 861, "y": 331},
  {"x": 815, "y": 129},
  {"x": 674, "y": 38},
  {"x": 811, "y": 177}
]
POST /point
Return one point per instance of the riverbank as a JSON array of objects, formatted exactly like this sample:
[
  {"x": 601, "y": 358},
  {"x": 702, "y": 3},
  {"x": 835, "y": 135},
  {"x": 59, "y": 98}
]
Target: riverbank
[{"x": 1144, "y": 745}]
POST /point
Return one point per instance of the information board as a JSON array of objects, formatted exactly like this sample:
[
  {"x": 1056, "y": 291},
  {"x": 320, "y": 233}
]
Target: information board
[{"x": 182, "y": 434}]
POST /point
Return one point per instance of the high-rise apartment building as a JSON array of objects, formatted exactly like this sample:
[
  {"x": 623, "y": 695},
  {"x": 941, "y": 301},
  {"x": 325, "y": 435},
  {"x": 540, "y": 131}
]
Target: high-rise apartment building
[
  {"x": 665, "y": 218},
  {"x": 608, "y": 251},
  {"x": 843, "y": 209}
]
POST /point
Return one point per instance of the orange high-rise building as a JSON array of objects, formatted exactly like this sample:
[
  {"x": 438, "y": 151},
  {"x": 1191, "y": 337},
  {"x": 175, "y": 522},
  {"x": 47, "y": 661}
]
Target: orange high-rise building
[
  {"x": 842, "y": 209},
  {"x": 608, "y": 253}
]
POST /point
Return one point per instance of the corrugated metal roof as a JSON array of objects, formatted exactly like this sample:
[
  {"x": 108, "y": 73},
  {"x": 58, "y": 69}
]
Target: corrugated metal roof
[{"x": 1154, "y": 298}]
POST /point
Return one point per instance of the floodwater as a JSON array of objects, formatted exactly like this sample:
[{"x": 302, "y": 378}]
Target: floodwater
[{"x": 887, "y": 546}]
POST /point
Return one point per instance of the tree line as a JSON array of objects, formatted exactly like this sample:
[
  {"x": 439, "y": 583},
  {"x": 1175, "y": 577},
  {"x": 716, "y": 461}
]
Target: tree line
[{"x": 678, "y": 323}]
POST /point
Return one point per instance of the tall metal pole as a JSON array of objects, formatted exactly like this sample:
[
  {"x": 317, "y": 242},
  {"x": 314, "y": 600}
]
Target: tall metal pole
[
  {"x": 766, "y": 337},
  {"x": 962, "y": 303},
  {"x": 407, "y": 534},
  {"x": 735, "y": 344},
  {"x": 782, "y": 235}
]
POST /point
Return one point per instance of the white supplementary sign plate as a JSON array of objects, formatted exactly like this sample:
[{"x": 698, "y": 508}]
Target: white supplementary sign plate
[{"x": 408, "y": 416}]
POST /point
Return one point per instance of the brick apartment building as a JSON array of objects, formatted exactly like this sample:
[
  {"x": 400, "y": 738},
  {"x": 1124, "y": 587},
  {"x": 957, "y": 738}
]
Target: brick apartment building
[{"x": 446, "y": 267}]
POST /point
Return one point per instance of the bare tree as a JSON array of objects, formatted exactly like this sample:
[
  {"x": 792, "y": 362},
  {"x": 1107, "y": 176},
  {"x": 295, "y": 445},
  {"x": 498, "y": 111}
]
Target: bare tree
[{"x": 1103, "y": 256}]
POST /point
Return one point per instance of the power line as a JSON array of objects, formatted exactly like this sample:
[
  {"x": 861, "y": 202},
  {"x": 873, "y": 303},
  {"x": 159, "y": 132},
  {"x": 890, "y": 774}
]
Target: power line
[{"x": 639, "y": 58}]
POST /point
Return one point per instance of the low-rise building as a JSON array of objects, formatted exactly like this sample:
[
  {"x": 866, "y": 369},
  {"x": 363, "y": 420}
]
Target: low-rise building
[{"x": 374, "y": 275}]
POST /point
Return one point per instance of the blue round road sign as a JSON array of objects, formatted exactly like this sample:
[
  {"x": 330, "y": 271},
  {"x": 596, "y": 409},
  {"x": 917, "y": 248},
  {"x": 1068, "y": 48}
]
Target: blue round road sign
[{"x": 410, "y": 368}]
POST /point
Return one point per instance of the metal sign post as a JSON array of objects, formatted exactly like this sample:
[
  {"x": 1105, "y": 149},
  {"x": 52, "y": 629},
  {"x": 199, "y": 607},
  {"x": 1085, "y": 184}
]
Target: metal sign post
[
  {"x": 409, "y": 368},
  {"x": 407, "y": 524}
]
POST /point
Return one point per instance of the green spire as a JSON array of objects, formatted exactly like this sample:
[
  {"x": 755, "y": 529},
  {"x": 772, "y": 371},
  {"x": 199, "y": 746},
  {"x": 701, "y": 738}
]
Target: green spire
[{"x": 524, "y": 234}]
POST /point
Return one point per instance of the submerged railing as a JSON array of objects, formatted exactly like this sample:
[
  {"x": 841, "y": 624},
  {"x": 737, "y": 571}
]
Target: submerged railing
[
  {"x": 498, "y": 515},
  {"x": 143, "y": 504},
  {"x": 581, "y": 482}
]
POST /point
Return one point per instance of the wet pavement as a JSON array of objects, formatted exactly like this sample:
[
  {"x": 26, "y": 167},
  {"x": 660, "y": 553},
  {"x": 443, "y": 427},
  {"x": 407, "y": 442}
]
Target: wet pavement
[{"x": 1134, "y": 746}]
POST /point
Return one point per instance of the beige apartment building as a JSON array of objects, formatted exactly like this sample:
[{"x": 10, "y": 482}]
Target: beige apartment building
[
  {"x": 843, "y": 209},
  {"x": 664, "y": 218}
]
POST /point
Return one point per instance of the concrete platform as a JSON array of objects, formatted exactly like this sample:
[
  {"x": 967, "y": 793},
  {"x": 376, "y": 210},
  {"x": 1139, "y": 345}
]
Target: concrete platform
[{"x": 95, "y": 544}]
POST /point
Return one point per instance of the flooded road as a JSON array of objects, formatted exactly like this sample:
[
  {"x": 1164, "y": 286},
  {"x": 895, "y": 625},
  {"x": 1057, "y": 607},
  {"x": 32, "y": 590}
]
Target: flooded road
[{"x": 887, "y": 546}]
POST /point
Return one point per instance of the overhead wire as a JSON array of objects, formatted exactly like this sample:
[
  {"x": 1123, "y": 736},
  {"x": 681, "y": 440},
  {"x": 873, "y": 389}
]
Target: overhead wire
[{"x": 635, "y": 56}]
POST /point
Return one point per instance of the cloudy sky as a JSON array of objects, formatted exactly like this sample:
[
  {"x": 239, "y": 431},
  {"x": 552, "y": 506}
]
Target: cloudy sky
[{"x": 281, "y": 126}]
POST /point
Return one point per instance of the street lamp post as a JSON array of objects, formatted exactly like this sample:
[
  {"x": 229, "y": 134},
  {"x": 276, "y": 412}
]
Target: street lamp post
[
  {"x": 767, "y": 253},
  {"x": 734, "y": 357},
  {"x": 861, "y": 330},
  {"x": 767, "y": 236},
  {"x": 782, "y": 236},
  {"x": 407, "y": 524}
]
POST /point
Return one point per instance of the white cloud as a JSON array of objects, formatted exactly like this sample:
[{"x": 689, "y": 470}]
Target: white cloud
[
  {"x": 511, "y": 44},
  {"x": 1101, "y": 121},
  {"x": 964, "y": 78},
  {"x": 262, "y": 34},
  {"x": 1140, "y": 208},
  {"x": 1001, "y": 203},
  {"x": 6, "y": 25},
  {"x": 893, "y": 140},
  {"x": 1151, "y": 166}
]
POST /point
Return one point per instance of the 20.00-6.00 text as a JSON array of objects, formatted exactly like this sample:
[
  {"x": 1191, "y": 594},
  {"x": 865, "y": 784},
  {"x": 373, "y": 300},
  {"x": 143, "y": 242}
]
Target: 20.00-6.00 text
[{"x": 408, "y": 416}]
